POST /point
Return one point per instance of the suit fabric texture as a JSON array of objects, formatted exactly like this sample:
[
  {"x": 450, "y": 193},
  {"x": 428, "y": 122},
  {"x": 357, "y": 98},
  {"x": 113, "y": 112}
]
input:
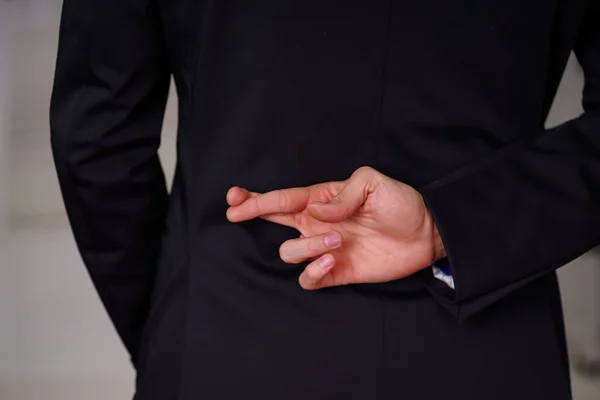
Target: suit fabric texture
[{"x": 449, "y": 97}]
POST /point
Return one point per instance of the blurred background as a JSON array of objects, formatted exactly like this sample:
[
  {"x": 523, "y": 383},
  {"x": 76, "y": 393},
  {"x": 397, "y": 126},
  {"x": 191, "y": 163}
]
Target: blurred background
[{"x": 56, "y": 342}]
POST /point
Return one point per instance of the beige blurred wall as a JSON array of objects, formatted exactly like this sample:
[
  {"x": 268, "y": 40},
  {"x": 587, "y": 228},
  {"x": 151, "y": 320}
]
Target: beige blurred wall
[
  {"x": 3, "y": 118},
  {"x": 56, "y": 340},
  {"x": 580, "y": 280},
  {"x": 4, "y": 129}
]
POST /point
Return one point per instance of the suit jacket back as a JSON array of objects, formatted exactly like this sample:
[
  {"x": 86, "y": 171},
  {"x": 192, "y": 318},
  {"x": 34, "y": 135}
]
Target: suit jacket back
[{"x": 449, "y": 97}]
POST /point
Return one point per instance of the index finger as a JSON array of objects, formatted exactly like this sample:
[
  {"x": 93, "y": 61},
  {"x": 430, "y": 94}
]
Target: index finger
[{"x": 276, "y": 202}]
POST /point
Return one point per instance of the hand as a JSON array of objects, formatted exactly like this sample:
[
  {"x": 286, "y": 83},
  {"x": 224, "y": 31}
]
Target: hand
[{"x": 367, "y": 229}]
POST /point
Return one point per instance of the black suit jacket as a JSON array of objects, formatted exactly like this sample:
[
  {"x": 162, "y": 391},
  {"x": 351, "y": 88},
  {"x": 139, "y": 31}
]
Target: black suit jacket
[{"x": 450, "y": 97}]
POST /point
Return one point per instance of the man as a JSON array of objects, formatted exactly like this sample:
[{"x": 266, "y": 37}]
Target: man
[{"x": 404, "y": 133}]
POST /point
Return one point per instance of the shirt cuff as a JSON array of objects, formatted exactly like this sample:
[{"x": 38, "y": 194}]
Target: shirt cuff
[{"x": 443, "y": 272}]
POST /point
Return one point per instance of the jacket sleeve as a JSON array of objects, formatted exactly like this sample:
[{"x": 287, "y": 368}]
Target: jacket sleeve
[
  {"x": 108, "y": 100},
  {"x": 529, "y": 208}
]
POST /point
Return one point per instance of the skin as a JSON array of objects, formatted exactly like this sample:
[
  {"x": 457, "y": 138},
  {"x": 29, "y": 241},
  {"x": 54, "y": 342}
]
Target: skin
[{"x": 367, "y": 229}]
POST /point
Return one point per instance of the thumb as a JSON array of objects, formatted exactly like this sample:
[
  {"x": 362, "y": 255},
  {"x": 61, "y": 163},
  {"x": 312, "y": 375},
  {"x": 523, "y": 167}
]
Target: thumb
[{"x": 347, "y": 201}]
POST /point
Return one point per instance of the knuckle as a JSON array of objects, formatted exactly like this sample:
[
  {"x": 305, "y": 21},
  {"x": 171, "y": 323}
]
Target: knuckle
[
  {"x": 364, "y": 171},
  {"x": 339, "y": 198},
  {"x": 299, "y": 220},
  {"x": 283, "y": 199},
  {"x": 257, "y": 205}
]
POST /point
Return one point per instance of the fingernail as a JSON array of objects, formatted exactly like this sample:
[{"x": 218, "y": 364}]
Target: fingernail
[
  {"x": 332, "y": 240},
  {"x": 326, "y": 261}
]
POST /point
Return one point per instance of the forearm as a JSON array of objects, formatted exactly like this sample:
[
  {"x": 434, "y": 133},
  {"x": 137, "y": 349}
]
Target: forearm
[
  {"x": 532, "y": 206},
  {"x": 525, "y": 213}
]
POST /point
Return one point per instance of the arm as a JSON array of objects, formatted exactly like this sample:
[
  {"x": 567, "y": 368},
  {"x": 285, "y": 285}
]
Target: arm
[
  {"x": 530, "y": 208},
  {"x": 110, "y": 90}
]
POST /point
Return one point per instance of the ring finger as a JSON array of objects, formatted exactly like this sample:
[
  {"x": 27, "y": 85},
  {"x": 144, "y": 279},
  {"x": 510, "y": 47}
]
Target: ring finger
[{"x": 307, "y": 248}]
